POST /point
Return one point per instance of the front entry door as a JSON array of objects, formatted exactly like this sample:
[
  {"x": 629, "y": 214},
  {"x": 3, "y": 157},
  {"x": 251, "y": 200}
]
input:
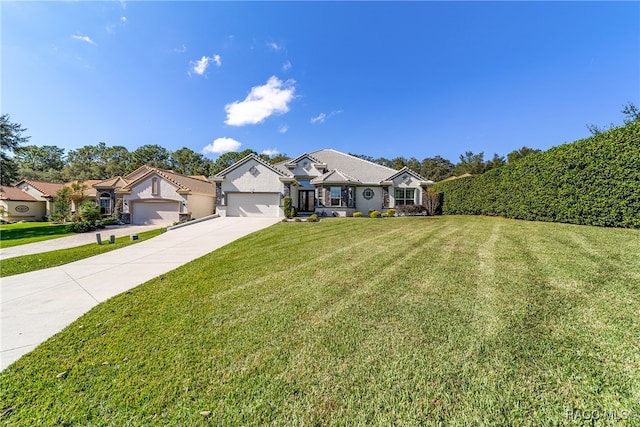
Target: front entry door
[{"x": 306, "y": 200}]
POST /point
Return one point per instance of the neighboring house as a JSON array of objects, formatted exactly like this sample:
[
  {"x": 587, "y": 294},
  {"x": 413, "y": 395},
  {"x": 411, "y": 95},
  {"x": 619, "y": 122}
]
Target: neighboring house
[
  {"x": 157, "y": 196},
  {"x": 326, "y": 182},
  {"x": 42, "y": 191},
  {"x": 18, "y": 205}
]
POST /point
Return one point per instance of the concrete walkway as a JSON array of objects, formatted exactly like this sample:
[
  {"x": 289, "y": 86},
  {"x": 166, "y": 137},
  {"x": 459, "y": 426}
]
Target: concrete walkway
[
  {"x": 74, "y": 240},
  {"x": 37, "y": 305}
]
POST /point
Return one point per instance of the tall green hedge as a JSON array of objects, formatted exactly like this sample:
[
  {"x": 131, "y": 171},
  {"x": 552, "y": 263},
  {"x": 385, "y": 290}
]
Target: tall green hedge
[{"x": 593, "y": 181}]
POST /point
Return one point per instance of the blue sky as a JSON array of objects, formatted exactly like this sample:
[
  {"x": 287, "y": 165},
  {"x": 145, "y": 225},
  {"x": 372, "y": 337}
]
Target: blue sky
[{"x": 384, "y": 79}]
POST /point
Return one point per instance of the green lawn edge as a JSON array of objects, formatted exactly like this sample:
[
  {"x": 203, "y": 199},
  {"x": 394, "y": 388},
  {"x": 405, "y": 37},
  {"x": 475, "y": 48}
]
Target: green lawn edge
[
  {"x": 40, "y": 261},
  {"x": 14, "y": 234}
]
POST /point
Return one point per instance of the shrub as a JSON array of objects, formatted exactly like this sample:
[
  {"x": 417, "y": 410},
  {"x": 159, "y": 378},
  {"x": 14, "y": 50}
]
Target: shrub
[
  {"x": 375, "y": 214},
  {"x": 357, "y": 214},
  {"x": 109, "y": 221},
  {"x": 410, "y": 210},
  {"x": 289, "y": 211},
  {"x": 312, "y": 218},
  {"x": 297, "y": 220},
  {"x": 82, "y": 227},
  {"x": 90, "y": 212},
  {"x": 593, "y": 181},
  {"x": 391, "y": 212}
]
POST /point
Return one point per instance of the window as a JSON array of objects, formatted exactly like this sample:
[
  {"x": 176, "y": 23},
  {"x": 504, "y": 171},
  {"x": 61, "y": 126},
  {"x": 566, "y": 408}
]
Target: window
[
  {"x": 367, "y": 194},
  {"x": 335, "y": 196},
  {"x": 405, "y": 196},
  {"x": 154, "y": 186},
  {"x": 105, "y": 204}
]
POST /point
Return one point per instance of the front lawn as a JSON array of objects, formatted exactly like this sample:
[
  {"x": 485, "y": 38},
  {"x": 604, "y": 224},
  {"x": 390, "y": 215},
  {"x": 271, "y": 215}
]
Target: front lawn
[
  {"x": 22, "y": 233},
  {"x": 398, "y": 321},
  {"x": 26, "y": 263}
]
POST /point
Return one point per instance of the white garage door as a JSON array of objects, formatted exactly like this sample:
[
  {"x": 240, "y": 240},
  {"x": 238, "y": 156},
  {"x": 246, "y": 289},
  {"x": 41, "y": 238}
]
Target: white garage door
[
  {"x": 155, "y": 213},
  {"x": 253, "y": 204}
]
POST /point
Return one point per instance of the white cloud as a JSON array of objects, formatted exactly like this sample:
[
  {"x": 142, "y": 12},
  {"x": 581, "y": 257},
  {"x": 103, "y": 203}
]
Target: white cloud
[
  {"x": 222, "y": 145},
  {"x": 320, "y": 118},
  {"x": 262, "y": 102},
  {"x": 283, "y": 129},
  {"x": 85, "y": 39},
  {"x": 123, "y": 19},
  {"x": 323, "y": 117},
  {"x": 270, "y": 152},
  {"x": 200, "y": 67},
  {"x": 181, "y": 49},
  {"x": 275, "y": 46},
  {"x": 286, "y": 66}
]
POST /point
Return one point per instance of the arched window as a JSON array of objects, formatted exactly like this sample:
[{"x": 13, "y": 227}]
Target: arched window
[{"x": 106, "y": 204}]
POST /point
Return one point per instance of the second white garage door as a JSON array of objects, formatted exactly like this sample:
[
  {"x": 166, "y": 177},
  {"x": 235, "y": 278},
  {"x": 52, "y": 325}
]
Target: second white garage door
[
  {"x": 155, "y": 213},
  {"x": 253, "y": 204}
]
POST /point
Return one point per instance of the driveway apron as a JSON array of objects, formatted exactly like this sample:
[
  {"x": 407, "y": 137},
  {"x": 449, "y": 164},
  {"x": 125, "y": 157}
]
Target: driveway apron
[{"x": 37, "y": 305}]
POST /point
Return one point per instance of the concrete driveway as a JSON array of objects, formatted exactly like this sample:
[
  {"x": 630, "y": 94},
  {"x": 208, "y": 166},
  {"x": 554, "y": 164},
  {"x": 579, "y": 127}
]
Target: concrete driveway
[{"x": 37, "y": 305}]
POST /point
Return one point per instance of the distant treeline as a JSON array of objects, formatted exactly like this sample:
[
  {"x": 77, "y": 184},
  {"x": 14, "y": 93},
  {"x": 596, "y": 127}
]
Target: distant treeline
[{"x": 593, "y": 181}]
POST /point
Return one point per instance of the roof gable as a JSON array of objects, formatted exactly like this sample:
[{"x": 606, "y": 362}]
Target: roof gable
[
  {"x": 14, "y": 193},
  {"x": 183, "y": 183},
  {"x": 246, "y": 159},
  {"x": 334, "y": 177},
  {"x": 46, "y": 188}
]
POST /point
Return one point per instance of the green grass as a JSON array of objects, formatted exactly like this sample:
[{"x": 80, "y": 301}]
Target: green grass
[
  {"x": 26, "y": 263},
  {"x": 452, "y": 321},
  {"x": 30, "y": 232}
]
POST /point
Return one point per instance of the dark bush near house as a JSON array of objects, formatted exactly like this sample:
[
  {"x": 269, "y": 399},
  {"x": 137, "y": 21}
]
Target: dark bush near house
[
  {"x": 82, "y": 227},
  {"x": 593, "y": 181},
  {"x": 312, "y": 218},
  {"x": 109, "y": 221},
  {"x": 289, "y": 211},
  {"x": 410, "y": 210}
]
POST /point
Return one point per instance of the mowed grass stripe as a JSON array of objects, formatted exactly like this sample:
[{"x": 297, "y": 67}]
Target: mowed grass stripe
[{"x": 406, "y": 321}]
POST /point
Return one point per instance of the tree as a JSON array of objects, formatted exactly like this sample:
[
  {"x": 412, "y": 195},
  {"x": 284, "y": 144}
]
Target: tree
[
  {"x": 42, "y": 163},
  {"x": 436, "y": 168},
  {"x": 10, "y": 139},
  {"x": 516, "y": 155},
  {"x": 188, "y": 162},
  {"x": 496, "y": 162},
  {"x": 631, "y": 113},
  {"x": 76, "y": 193},
  {"x": 152, "y": 155},
  {"x": 278, "y": 158},
  {"x": 470, "y": 163},
  {"x": 61, "y": 205},
  {"x": 117, "y": 161},
  {"x": 83, "y": 163},
  {"x": 227, "y": 159}
]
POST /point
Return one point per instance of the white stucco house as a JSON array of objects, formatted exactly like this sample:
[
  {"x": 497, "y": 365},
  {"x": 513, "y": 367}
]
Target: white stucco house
[
  {"x": 326, "y": 182},
  {"x": 162, "y": 197}
]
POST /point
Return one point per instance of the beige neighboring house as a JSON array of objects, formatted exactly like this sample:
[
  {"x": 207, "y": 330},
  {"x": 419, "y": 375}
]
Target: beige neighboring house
[
  {"x": 326, "y": 182},
  {"x": 163, "y": 197},
  {"x": 46, "y": 191},
  {"x": 42, "y": 191},
  {"x": 17, "y": 205}
]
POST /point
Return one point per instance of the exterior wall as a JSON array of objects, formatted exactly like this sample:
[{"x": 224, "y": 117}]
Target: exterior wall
[
  {"x": 250, "y": 177},
  {"x": 143, "y": 191},
  {"x": 363, "y": 205},
  {"x": 409, "y": 182},
  {"x": 15, "y": 210},
  {"x": 308, "y": 170},
  {"x": 38, "y": 196},
  {"x": 200, "y": 206}
]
